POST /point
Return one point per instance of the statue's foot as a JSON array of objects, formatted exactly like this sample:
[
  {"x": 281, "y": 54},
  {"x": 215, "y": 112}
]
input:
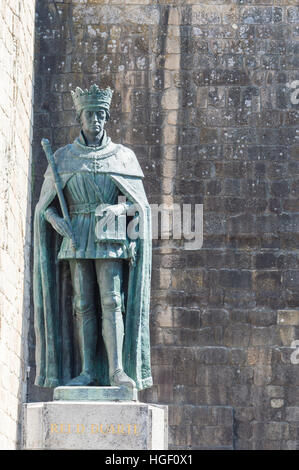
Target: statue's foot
[
  {"x": 120, "y": 379},
  {"x": 84, "y": 379}
]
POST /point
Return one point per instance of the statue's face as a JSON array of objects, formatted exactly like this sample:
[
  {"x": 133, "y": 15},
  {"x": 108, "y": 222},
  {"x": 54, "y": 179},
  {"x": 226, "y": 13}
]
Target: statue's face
[{"x": 93, "y": 122}]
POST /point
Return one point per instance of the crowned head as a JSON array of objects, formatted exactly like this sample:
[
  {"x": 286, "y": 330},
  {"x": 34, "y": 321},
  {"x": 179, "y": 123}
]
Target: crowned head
[{"x": 92, "y": 99}]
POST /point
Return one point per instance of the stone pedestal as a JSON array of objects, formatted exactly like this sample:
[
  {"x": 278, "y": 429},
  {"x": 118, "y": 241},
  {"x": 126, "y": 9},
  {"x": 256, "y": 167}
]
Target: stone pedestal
[{"x": 94, "y": 425}]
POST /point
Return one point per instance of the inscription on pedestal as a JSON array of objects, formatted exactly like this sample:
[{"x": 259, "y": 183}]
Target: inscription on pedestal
[
  {"x": 119, "y": 429},
  {"x": 95, "y": 425}
]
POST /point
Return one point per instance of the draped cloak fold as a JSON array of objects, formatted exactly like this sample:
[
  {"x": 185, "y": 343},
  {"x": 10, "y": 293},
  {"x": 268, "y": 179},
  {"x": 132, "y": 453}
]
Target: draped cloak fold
[{"x": 56, "y": 354}]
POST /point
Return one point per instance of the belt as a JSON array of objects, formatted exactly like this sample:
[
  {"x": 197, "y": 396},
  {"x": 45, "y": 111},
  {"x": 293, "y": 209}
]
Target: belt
[{"x": 84, "y": 208}]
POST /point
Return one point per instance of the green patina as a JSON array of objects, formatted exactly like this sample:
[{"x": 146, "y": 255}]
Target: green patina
[{"x": 91, "y": 297}]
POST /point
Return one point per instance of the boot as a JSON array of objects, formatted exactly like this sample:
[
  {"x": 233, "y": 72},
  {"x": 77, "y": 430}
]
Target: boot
[
  {"x": 87, "y": 329},
  {"x": 113, "y": 335},
  {"x": 120, "y": 379}
]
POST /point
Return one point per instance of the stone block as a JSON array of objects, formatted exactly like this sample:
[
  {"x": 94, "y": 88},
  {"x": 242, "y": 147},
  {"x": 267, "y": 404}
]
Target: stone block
[
  {"x": 95, "y": 394},
  {"x": 293, "y": 14},
  {"x": 288, "y": 317},
  {"x": 261, "y": 15},
  {"x": 93, "y": 425},
  {"x": 204, "y": 14}
]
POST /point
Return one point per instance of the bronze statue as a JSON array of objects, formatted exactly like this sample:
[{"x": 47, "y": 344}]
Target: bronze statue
[{"x": 91, "y": 293}]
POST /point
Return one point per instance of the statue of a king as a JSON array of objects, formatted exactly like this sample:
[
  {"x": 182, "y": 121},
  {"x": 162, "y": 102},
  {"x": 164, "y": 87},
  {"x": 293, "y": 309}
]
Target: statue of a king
[{"x": 91, "y": 293}]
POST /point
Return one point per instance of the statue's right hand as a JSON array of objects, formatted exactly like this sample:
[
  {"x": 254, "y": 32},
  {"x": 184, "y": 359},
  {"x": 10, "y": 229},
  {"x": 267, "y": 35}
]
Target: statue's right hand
[{"x": 59, "y": 224}]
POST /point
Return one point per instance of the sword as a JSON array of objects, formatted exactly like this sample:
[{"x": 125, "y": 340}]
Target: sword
[{"x": 50, "y": 157}]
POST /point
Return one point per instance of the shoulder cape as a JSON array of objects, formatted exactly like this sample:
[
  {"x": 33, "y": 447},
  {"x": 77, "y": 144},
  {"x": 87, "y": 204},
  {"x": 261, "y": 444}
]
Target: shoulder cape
[
  {"x": 56, "y": 355},
  {"x": 111, "y": 158}
]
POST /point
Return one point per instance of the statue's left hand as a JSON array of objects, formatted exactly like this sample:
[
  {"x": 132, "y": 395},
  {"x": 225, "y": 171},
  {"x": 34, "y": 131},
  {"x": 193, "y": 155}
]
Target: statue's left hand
[{"x": 114, "y": 211}]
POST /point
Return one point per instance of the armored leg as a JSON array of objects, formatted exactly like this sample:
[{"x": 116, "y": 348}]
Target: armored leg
[
  {"x": 109, "y": 275},
  {"x": 83, "y": 281}
]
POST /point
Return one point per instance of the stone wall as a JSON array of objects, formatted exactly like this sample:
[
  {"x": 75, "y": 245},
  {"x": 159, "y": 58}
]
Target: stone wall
[
  {"x": 16, "y": 74},
  {"x": 206, "y": 95}
]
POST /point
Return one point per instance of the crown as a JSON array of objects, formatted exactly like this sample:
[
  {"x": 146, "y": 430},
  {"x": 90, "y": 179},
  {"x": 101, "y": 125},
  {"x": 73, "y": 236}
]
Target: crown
[{"x": 92, "y": 98}]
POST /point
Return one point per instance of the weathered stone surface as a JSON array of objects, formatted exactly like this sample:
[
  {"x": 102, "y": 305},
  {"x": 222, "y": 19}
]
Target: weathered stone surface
[{"x": 71, "y": 425}]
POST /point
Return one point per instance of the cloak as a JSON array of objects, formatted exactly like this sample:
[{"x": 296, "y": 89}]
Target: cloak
[{"x": 57, "y": 355}]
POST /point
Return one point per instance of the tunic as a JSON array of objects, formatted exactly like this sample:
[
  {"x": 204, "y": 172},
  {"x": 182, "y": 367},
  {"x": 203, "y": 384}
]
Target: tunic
[{"x": 82, "y": 200}]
